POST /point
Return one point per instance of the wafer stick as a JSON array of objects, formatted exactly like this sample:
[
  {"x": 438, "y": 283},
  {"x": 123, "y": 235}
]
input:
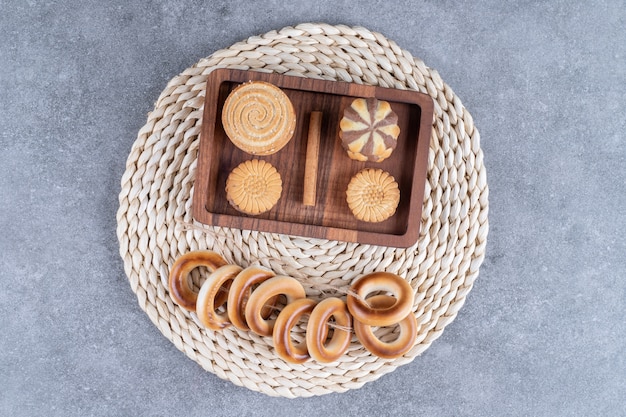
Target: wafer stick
[{"x": 312, "y": 158}]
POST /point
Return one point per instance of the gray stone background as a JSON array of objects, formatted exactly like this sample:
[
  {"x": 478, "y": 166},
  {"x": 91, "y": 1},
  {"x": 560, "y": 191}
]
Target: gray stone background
[{"x": 542, "y": 333}]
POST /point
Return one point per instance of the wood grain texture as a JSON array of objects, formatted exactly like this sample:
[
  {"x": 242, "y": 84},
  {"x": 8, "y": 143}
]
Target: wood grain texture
[{"x": 330, "y": 217}]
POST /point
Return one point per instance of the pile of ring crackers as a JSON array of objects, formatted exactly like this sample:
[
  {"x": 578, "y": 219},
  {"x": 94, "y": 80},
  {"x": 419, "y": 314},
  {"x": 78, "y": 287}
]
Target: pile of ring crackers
[{"x": 256, "y": 299}]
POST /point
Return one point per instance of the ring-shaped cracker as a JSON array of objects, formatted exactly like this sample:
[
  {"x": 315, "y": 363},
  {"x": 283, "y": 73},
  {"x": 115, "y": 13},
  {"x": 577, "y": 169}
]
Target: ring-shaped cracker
[
  {"x": 239, "y": 294},
  {"x": 317, "y": 330},
  {"x": 380, "y": 316},
  {"x": 180, "y": 290},
  {"x": 212, "y": 296},
  {"x": 263, "y": 294},
  {"x": 388, "y": 350},
  {"x": 286, "y": 320}
]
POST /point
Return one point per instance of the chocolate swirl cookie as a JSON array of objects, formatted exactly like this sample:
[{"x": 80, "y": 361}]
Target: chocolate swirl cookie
[{"x": 369, "y": 130}]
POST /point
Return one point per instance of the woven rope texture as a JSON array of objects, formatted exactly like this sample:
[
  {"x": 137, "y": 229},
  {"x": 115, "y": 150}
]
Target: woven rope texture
[{"x": 155, "y": 224}]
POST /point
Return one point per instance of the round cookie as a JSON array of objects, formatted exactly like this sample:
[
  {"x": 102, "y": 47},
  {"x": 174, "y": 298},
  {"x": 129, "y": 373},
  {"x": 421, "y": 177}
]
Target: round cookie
[
  {"x": 373, "y": 195},
  {"x": 258, "y": 118},
  {"x": 253, "y": 187},
  {"x": 369, "y": 130}
]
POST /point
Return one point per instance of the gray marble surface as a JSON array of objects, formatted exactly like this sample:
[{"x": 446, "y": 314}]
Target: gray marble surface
[{"x": 543, "y": 331}]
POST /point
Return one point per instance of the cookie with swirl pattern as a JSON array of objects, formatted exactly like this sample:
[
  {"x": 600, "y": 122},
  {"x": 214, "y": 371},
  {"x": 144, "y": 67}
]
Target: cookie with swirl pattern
[{"x": 258, "y": 118}]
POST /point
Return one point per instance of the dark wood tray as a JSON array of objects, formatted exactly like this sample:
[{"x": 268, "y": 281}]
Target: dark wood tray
[{"x": 330, "y": 218}]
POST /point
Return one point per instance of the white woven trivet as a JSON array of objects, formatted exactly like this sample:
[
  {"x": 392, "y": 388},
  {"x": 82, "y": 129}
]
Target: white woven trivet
[{"x": 155, "y": 224}]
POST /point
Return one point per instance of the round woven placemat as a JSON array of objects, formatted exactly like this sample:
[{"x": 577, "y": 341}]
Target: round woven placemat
[{"x": 155, "y": 224}]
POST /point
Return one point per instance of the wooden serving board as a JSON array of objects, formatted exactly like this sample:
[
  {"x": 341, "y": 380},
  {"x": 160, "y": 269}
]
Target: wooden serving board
[{"x": 330, "y": 217}]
